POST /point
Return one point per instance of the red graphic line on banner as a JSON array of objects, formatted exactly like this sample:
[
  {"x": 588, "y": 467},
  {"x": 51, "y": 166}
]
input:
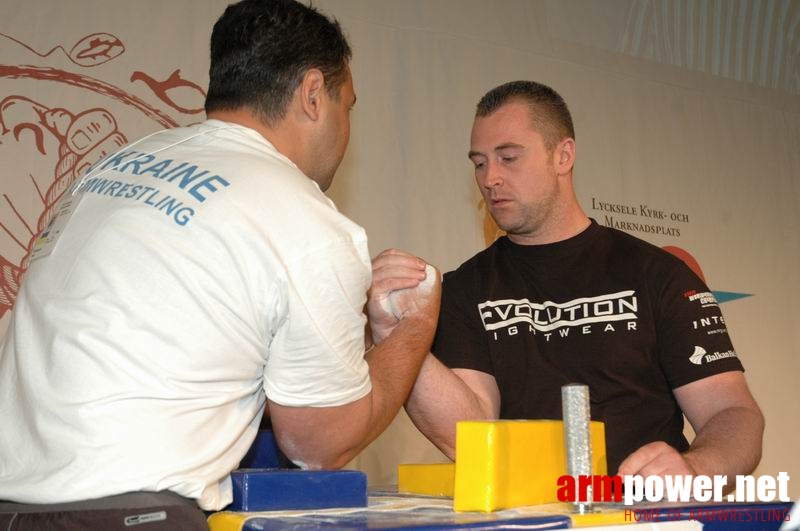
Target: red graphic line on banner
[
  {"x": 37, "y": 133},
  {"x": 92, "y": 50},
  {"x": 11, "y": 235},
  {"x": 160, "y": 89},
  {"x": 59, "y": 47},
  {"x": 95, "y": 85},
  {"x": 38, "y": 190},
  {"x": 96, "y": 49},
  {"x": 19, "y": 217}
]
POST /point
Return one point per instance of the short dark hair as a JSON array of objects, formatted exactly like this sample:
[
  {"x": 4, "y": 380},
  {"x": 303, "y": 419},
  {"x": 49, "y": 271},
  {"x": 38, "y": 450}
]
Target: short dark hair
[
  {"x": 548, "y": 110},
  {"x": 260, "y": 50}
]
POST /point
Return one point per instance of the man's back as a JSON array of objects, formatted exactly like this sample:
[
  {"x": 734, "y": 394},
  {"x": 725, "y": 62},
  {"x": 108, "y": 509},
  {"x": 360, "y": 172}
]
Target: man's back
[{"x": 146, "y": 333}]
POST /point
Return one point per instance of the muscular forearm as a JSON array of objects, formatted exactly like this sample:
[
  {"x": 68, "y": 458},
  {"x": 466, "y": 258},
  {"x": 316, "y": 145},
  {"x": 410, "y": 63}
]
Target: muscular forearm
[
  {"x": 393, "y": 366},
  {"x": 729, "y": 428},
  {"x": 329, "y": 437},
  {"x": 439, "y": 400},
  {"x": 403, "y": 306},
  {"x": 729, "y": 444}
]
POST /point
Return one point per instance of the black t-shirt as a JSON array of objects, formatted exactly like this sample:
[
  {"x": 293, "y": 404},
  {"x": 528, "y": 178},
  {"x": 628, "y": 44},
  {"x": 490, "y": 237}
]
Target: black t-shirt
[{"x": 602, "y": 308}]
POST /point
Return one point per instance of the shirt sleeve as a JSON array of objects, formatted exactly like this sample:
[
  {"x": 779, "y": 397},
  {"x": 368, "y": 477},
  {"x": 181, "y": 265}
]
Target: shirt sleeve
[
  {"x": 460, "y": 341},
  {"x": 693, "y": 340},
  {"x": 317, "y": 356}
]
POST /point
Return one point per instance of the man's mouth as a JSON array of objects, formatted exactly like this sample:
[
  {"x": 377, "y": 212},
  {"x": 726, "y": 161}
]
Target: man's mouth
[{"x": 499, "y": 201}]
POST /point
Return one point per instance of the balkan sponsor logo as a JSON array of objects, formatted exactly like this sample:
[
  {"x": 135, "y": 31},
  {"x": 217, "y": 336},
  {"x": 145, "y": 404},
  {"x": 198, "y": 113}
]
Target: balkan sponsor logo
[
  {"x": 700, "y": 355},
  {"x": 697, "y": 355}
]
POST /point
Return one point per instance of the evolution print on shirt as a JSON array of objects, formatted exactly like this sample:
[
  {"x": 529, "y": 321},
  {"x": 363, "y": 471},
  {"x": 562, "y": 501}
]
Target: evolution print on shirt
[{"x": 585, "y": 315}]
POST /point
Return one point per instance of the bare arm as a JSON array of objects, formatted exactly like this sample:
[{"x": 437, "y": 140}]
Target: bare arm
[
  {"x": 329, "y": 437},
  {"x": 441, "y": 397},
  {"x": 729, "y": 427}
]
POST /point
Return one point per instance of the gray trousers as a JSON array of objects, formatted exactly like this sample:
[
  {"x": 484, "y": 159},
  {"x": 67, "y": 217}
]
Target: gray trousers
[{"x": 136, "y": 511}]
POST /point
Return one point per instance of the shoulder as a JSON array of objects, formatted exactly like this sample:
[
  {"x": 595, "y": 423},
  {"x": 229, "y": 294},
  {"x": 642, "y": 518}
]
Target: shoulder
[
  {"x": 268, "y": 194},
  {"x": 642, "y": 253},
  {"x": 475, "y": 267},
  {"x": 671, "y": 285}
]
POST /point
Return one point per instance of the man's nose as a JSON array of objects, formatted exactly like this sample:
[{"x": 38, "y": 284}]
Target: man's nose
[{"x": 493, "y": 176}]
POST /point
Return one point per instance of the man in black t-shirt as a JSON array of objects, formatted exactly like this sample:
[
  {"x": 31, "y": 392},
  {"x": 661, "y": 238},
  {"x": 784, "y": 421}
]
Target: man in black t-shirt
[{"x": 561, "y": 299}]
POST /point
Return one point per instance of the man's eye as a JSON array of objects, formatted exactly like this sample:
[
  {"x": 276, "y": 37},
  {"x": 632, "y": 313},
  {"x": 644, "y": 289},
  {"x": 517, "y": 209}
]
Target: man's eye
[
  {"x": 508, "y": 160},
  {"x": 479, "y": 165}
]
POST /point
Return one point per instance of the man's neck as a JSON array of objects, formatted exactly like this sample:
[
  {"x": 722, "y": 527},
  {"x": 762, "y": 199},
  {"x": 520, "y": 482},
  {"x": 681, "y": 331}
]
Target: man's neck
[
  {"x": 559, "y": 228},
  {"x": 280, "y": 136}
]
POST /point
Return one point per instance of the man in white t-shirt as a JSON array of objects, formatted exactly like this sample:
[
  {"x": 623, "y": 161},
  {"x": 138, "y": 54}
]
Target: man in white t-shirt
[{"x": 199, "y": 276}]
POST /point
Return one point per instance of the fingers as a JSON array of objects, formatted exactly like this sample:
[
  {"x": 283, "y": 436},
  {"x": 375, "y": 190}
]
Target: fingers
[
  {"x": 107, "y": 145},
  {"x": 92, "y": 135},
  {"x": 636, "y": 461},
  {"x": 393, "y": 269},
  {"x": 655, "y": 459},
  {"x": 394, "y": 261},
  {"x": 88, "y": 129},
  {"x": 398, "y": 279},
  {"x": 419, "y": 298},
  {"x": 393, "y": 283}
]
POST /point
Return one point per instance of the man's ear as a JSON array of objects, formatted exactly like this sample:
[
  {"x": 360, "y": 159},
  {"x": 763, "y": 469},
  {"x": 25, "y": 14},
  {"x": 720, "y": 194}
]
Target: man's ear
[
  {"x": 311, "y": 92},
  {"x": 565, "y": 156}
]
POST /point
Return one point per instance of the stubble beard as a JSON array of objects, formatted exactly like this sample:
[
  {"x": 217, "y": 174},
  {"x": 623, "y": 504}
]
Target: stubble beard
[{"x": 529, "y": 220}]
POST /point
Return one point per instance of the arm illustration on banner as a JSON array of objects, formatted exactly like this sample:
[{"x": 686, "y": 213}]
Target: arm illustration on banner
[{"x": 56, "y": 142}]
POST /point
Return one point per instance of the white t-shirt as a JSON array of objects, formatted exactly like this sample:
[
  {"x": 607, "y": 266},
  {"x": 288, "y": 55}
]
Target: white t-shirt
[{"x": 199, "y": 270}]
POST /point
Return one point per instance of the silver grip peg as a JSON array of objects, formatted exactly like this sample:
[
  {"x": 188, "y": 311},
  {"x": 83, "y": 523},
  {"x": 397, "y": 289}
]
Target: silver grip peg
[{"x": 577, "y": 438}]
